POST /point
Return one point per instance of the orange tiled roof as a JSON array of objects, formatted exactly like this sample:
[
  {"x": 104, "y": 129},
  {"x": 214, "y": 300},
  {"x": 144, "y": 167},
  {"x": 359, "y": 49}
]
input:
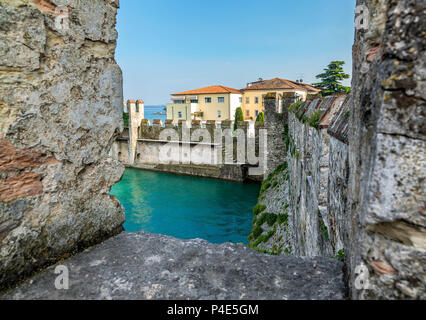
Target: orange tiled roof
[
  {"x": 209, "y": 90},
  {"x": 308, "y": 86},
  {"x": 278, "y": 83}
]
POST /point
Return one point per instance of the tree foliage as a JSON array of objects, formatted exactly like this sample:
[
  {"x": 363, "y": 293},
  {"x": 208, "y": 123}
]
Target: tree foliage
[
  {"x": 126, "y": 119},
  {"x": 331, "y": 79},
  {"x": 239, "y": 116},
  {"x": 260, "y": 117}
]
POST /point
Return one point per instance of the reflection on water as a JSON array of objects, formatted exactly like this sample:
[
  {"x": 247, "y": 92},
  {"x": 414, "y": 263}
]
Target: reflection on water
[{"x": 187, "y": 207}]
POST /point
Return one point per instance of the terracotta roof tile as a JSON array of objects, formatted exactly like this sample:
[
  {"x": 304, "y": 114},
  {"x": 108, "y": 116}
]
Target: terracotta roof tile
[
  {"x": 278, "y": 83},
  {"x": 209, "y": 90},
  {"x": 307, "y": 86},
  {"x": 275, "y": 83}
]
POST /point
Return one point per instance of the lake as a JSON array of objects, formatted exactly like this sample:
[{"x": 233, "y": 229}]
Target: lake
[
  {"x": 149, "y": 113},
  {"x": 187, "y": 207}
]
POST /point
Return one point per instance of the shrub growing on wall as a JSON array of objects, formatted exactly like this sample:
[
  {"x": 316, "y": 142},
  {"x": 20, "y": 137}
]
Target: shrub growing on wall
[
  {"x": 315, "y": 119},
  {"x": 260, "y": 117},
  {"x": 126, "y": 119}
]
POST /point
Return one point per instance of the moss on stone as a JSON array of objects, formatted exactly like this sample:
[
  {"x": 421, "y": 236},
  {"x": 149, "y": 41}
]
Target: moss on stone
[
  {"x": 265, "y": 186},
  {"x": 257, "y": 231},
  {"x": 340, "y": 255},
  {"x": 347, "y": 114},
  {"x": 324, "y": 230},
  {"x": 258, "y": 208},
  {"x": 275, "y": 184},
  {"x": 269, "y": 218},
  {"x": 283, "y": 219}
]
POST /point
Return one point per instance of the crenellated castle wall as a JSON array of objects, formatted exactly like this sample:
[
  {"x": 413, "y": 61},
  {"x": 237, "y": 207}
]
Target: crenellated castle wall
[{"x": 210, "y": 150}]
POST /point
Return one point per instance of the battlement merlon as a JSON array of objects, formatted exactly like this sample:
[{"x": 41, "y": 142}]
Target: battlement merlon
[{"x": 136, "y": 110}]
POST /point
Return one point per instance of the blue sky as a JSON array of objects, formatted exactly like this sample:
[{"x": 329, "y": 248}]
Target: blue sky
[{"x": 167, "y": 46}]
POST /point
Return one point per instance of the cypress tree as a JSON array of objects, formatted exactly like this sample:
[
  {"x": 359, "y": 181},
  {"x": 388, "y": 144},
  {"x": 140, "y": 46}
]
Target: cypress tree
[{"x": 239, "y": 116}]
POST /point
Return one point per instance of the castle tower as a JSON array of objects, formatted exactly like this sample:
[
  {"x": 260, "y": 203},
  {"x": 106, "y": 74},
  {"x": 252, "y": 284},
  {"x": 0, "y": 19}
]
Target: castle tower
[{"x": 136, "y": 114}]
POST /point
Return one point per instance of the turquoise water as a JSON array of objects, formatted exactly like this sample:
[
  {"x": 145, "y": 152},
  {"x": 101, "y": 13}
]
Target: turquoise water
[
  {"x": 187, "y": 207},
  {"x": 149, "y": 113}
]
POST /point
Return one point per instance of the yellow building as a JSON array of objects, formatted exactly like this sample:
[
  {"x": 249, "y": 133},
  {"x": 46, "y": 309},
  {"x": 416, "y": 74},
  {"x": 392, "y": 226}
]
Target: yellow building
[
  {"x": 254, "y": 93},
  {"x": 209, "y": 103}
]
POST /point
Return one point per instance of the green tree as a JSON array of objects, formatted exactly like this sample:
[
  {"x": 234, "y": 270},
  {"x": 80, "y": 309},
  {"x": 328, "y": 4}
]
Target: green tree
[
  {"x": 126, "y": 119},
  {"x": 238, "y": 117},
  {"x": 260, "y": 117},
  {"x": 331, "y": 79}
]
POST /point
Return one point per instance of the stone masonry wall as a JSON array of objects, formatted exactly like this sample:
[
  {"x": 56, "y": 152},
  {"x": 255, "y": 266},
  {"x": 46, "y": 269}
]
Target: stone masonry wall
[
  {"x": 300, "y": 205},
  {"x": 274, "y": 123},
  {"x": 316, "y": 160},
  {"x": 60, "y": 112},
  {"x": 354, "y": 186},
  {"x": 387, "y": 191},
  {"x": 210, "y": 150}
]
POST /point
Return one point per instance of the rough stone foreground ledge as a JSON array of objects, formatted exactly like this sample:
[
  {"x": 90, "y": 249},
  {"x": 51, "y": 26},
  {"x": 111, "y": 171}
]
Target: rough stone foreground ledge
[{"x": 147, "y": 266}]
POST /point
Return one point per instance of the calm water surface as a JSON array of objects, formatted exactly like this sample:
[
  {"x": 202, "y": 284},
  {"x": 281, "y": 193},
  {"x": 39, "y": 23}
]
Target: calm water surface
[
  {"x": 150, "y": 113},
  {"x": 187, "y": 207}
]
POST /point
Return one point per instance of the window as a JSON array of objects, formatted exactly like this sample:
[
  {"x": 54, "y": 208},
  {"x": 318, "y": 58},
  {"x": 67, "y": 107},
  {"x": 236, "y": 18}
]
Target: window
[
  {"x": 194, "y": 101},
  {"x": 241, "y": 100},
  {"x": 247, "y": 113},
  {"x": 256, "y": 100},
  {"x": 247, "y": 100},
  {"x": 257, "y": 113},
  {"x": 179, "y": 101},
  {"x": 221, "y": 100},
  {"x": 219, "y": 114},
  {"x": 180, "y": 114},
  {"x": 208, "y": 100}
]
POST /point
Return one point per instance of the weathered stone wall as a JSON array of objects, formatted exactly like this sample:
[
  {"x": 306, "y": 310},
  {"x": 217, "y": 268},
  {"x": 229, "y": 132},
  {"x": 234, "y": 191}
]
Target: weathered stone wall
[
  {"x": 298, "y": 191},
  {"x": 338, "y": 220},
  {"x": 386, "y": 191},
  {"x": 136, "y": 114},
  {"x": 312, "y": 171},
  {"x": 210, "y": 151},
  {"x": 274, "y": 124},
  {"x": 60, "y": 111},
  {"x": 153, "y": 152},
  {"x": 356, "y": 182},
  {"x": 302, "y": 205}
]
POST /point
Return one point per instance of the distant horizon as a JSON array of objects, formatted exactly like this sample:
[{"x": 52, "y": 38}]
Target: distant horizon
[{"x": 160, "y": 54}]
